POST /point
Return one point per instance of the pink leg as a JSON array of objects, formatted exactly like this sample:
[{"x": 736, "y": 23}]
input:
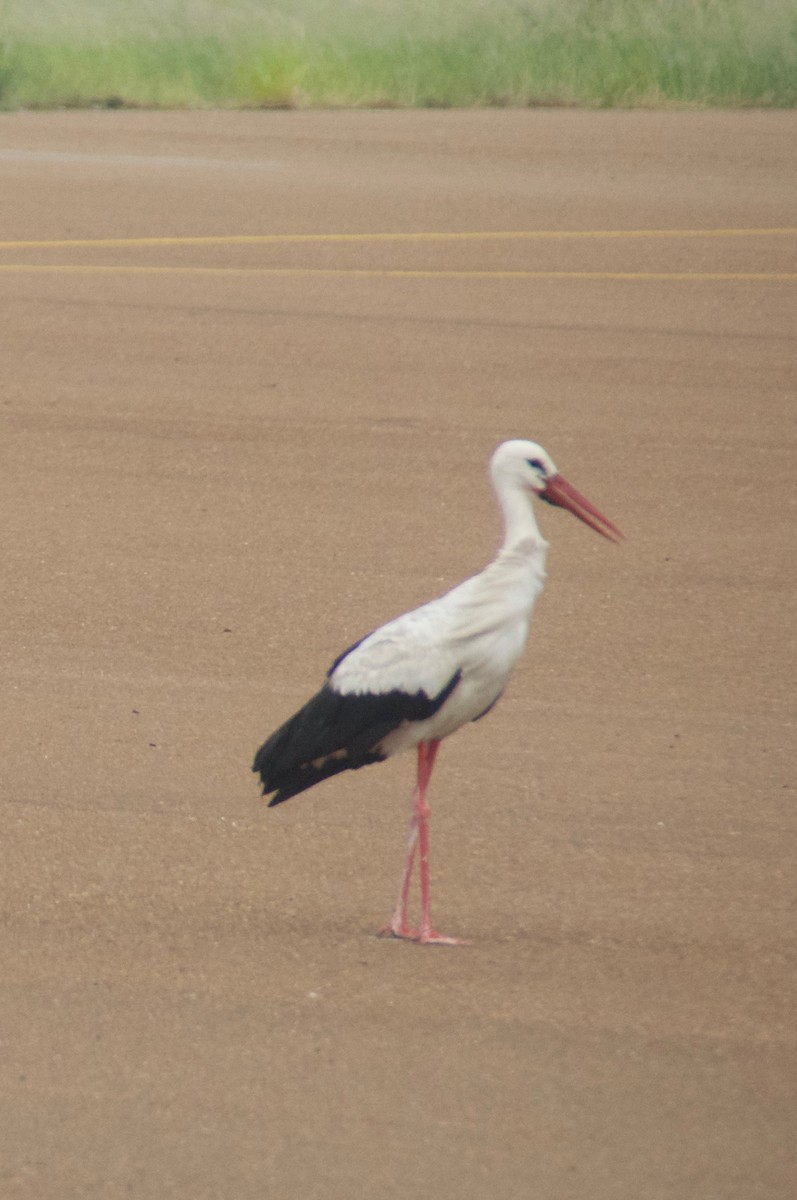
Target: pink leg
[
  {"x": 419, "y": 833},
  {"x": 398, "y": 926}
]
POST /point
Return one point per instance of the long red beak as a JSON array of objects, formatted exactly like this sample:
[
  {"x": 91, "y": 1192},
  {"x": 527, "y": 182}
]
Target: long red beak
[{"x": 561, "y": 493}]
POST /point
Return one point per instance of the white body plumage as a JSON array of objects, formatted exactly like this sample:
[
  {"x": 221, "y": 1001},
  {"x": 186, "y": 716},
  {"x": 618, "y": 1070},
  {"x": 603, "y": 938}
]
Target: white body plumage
[
  {"x": 478, "y": 629},
  {"x": 420, "y": 677}
]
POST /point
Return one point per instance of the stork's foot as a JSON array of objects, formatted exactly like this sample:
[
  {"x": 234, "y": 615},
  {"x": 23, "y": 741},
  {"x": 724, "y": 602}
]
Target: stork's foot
[
  {"x": 424, "y": 937},
  {"x": 430, "y": 938},
  {"x": 395, "y": 930}
]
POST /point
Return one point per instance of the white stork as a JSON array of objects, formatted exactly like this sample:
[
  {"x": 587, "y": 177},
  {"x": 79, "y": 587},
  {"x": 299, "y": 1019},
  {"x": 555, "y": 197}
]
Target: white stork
[{"x": 417, "y": 679}]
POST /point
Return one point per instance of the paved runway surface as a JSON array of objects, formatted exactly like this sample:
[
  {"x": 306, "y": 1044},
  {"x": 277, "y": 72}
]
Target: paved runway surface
[{"x": 245, "y": 411}]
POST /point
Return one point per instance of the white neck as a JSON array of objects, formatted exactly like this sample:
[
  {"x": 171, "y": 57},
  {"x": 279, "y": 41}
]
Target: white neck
[{"x": 520, "y": 524}]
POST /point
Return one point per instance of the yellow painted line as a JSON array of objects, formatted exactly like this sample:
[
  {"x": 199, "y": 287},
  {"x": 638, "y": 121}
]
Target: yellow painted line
[
  {"x": 718, "y": 276},
  {"x": 298, "y": 238}
]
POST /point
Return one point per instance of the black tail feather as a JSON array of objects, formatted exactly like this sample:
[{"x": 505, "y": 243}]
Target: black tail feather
[
  {"x": 307, "y": 775},
  {"x": 336, "y": 732}
]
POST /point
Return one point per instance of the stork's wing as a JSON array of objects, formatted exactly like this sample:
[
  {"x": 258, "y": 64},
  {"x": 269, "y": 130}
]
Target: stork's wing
[
  {"x": 334, "y": 733},
  {"x": 415, "y": 653},
  {"x": 403, "y": 671}
]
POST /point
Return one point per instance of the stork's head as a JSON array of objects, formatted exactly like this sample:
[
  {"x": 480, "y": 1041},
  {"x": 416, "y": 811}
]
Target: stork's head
[{"x": 526, "y": 465}]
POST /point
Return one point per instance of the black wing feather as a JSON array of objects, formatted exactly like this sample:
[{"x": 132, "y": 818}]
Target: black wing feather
[{"x": 337, "y": 732}]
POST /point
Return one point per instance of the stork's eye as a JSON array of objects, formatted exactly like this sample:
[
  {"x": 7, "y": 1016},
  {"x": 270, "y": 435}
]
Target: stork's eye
[{"x": 536, "y": 465}]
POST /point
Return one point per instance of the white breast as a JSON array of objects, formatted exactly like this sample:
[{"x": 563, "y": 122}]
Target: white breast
[{"x": 478, "y": 629}]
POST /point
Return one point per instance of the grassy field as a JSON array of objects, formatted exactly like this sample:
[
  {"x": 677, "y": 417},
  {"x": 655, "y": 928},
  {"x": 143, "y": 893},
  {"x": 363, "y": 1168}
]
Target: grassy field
[{"x": 404, "y": 53}]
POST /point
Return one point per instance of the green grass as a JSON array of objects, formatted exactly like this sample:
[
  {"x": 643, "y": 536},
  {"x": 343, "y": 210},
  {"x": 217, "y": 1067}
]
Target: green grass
[{"x": 403, "y": 53}]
